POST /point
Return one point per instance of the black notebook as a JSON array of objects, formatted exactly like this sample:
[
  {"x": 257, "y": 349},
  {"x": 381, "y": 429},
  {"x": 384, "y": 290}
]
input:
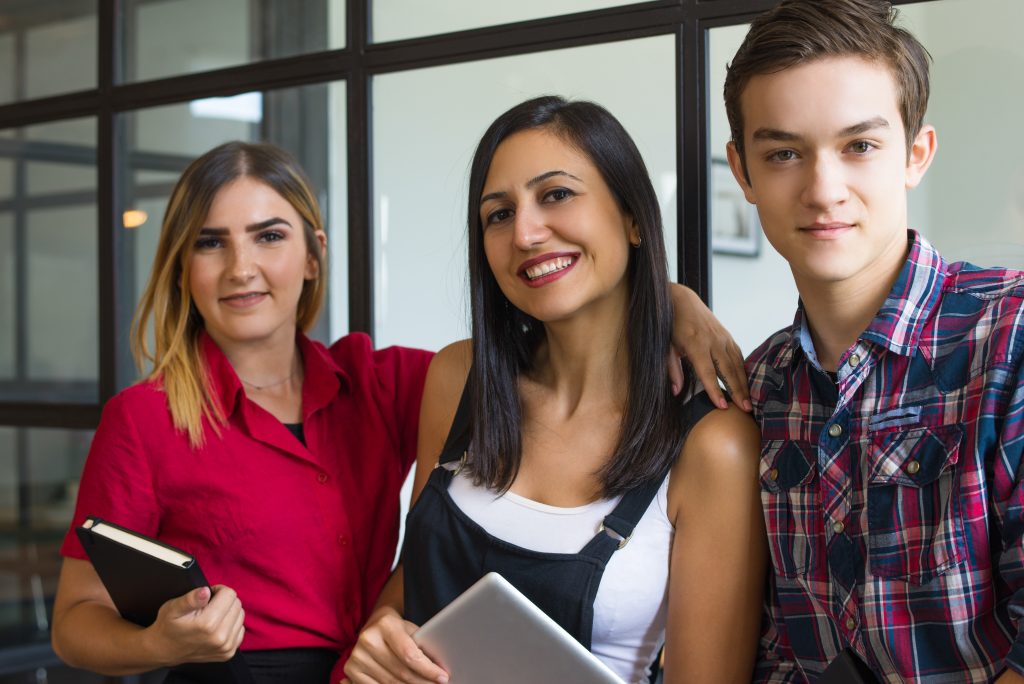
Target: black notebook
[
  {"x": 847, "y": 668},
  {"x": 141, "y": 574}
]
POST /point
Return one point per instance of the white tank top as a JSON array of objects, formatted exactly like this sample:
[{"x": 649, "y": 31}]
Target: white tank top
[{"x": 632, "y": 598}]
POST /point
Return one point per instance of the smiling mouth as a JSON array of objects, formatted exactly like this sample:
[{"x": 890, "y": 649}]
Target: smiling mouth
[
  {"x": 547, "y": 267},
  {"x": 243, "y": 298}
]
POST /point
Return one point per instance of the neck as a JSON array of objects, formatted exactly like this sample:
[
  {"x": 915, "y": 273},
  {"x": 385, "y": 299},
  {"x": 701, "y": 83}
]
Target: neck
[
  {"x": 838, "y": 312},
  {"x": 267, "y": 363},
  {"x": 586, "y": 359}
]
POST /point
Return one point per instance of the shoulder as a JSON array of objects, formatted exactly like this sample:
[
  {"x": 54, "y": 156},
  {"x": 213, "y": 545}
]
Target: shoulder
[
  {"x": 764, "y": 364},
  {"x": 355, "y": 350},
  {"x": 981, "y": 307},
  {"x": 446, "y": 377},
  {"x": 965, "y": 278},
  {"x": 143, "y": 399},
  {"x": 773, "y": 348},
  {"x": 399, "y": 368},
  {"x": 721, "y": 452}
]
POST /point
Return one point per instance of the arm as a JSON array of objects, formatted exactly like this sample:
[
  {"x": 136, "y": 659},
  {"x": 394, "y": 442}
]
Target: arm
[
  {"x": 89, "y": 633},
  {"x": 700, "y": 337},
  {"x": 714, "y": 500},
  {"x": 385, "y": 650}
]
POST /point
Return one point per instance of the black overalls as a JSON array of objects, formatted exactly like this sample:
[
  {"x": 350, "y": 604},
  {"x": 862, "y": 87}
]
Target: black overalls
[{"x": 445, "y": 552}]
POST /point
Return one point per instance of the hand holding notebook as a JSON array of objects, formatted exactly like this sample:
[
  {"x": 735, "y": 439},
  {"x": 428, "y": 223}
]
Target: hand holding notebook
[{"x": 150, "y": 582}]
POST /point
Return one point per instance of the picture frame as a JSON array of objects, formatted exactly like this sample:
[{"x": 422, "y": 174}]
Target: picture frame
[{"x": 735, "y": 227}]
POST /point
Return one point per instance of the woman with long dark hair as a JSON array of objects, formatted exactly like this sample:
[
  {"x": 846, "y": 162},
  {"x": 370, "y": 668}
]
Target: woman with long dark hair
[{"x": 568, "y": 427}]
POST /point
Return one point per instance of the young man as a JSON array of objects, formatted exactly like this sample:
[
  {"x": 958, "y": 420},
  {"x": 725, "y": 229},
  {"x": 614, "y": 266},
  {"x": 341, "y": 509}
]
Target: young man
[{"x": 892, "y": 410}]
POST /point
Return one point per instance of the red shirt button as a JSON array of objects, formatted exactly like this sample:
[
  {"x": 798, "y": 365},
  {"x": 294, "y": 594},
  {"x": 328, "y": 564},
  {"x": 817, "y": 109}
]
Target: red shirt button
[
  {"x": 322, "y": 478},
  {"x": 342, "y": 540}
]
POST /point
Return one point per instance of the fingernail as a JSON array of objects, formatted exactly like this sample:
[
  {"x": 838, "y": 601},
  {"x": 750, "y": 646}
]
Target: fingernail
[
  {"x": 676, "y": 388},
  {"x": 747, "y": 405},
  {"x": 723, "y": 404},
  {"x": 443, "y": 679}
]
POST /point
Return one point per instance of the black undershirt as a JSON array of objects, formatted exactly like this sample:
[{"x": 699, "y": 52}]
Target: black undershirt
[{"x": 296, "y": 429}]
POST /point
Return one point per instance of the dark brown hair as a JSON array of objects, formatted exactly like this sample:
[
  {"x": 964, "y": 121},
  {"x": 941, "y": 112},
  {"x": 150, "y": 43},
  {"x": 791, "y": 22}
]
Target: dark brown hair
[
  {"x": 654, "y": 423},
  {"x": 800, "y": 31}
]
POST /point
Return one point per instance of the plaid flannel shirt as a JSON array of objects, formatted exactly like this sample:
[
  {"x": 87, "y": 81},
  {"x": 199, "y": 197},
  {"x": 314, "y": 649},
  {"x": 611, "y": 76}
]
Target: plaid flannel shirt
[{"x": 893, "y": 497}]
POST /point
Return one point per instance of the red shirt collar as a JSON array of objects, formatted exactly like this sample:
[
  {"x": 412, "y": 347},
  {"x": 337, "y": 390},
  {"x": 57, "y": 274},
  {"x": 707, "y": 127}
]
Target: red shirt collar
[{"x": 323, "y": 378}]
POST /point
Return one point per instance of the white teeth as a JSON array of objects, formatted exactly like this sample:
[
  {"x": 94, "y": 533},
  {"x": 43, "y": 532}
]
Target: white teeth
[{"x": 549, "y": 266}]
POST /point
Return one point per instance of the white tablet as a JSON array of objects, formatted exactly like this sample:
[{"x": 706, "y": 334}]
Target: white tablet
[{"x": 492, "y": 633}]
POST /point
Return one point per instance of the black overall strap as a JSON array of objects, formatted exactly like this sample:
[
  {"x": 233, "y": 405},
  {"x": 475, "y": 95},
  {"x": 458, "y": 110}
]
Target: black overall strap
[
  {"x": 461, "y": 431},
  {"x": 624, "y": 518}
]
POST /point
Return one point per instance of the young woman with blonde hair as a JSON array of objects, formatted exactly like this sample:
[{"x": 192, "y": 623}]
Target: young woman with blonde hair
[{"x": 274, "y": 460}]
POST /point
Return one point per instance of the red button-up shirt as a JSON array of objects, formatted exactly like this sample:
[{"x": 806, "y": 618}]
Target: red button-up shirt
[{"x": 305, "y": 534}]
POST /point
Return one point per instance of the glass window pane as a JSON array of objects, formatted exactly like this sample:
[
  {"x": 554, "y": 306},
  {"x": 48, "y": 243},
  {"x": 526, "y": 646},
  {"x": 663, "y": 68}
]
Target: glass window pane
[
  {"x": 7, "y": 298},
  {"x": 421, "y": 165},
  {"x": 49, "y": 177},
  {"x": 307, "y": 121},
  {"x": 47, "y": 47},
  {"x": 63, "y": 304},
  {"x": 164, "y": 38},
  {"x": 49, "y": 302},
  {"x": 39, "y": 474},
  {"x": 399, "y": 19},
  {"x": 971, "y": 202}
]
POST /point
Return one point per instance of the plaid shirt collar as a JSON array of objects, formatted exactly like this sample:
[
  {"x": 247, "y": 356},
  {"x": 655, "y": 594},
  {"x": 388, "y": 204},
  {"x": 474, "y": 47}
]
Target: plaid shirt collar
[{"x": 899, "y": 322}]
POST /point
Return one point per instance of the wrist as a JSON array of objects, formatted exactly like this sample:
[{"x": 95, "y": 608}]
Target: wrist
[{"x": 155, "y": 648}]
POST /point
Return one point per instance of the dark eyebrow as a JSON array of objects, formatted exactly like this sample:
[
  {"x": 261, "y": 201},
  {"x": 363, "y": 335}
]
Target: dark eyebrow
[
  {"x": 777, "y": 135},
  {"x": 531, "y": 183},
  {"x": 864, "y": 126},
  {"x": 251, "y": 228}
]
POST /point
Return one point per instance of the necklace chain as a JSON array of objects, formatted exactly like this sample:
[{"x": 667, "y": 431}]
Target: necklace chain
[{"x": 269, "y": 384}]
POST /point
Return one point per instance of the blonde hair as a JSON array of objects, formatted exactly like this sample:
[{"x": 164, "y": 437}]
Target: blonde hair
[{"x": 176, "y": 357}]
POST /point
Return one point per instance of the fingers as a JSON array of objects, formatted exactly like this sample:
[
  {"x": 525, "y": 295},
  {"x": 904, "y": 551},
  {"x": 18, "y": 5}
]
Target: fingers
[
  {"x": 399, "y": 640},
  {"x": 224, "y": 623},
  {"x": 675, "y": 372},
  {"x": 385, "y": 652},
  {"x": 734, "y": 375},
  {"x": 704, "y": 368},
  {"x": 195, "y": 600}
]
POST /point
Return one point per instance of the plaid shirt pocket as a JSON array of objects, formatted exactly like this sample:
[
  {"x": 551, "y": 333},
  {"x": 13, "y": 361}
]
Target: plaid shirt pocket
[
  {"x": 914, "y": 517},
  {"x": 789, "y": 496}
]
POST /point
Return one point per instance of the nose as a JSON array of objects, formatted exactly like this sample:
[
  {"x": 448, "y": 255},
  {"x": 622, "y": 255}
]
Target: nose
[
  {"x": 826, "y": 184},
  {"x": 529, "y": 228},
  {"x": 241, "y": 264}
]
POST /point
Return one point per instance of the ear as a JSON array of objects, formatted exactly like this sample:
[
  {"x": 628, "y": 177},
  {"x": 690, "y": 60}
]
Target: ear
[
  {"x": 921, "y": 154},
  {"x": 312, "y": 264},
  {"x": 632, "y": 232},
  {"x": 736, "y": 165}
]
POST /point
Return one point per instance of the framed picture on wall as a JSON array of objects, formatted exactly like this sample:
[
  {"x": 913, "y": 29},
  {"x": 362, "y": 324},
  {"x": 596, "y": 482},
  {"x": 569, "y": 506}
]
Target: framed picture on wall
[{"x": 735, "y": 228}]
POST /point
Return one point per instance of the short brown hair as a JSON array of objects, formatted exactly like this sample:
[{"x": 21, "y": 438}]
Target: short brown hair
[{"x": 800, "y": 31}]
